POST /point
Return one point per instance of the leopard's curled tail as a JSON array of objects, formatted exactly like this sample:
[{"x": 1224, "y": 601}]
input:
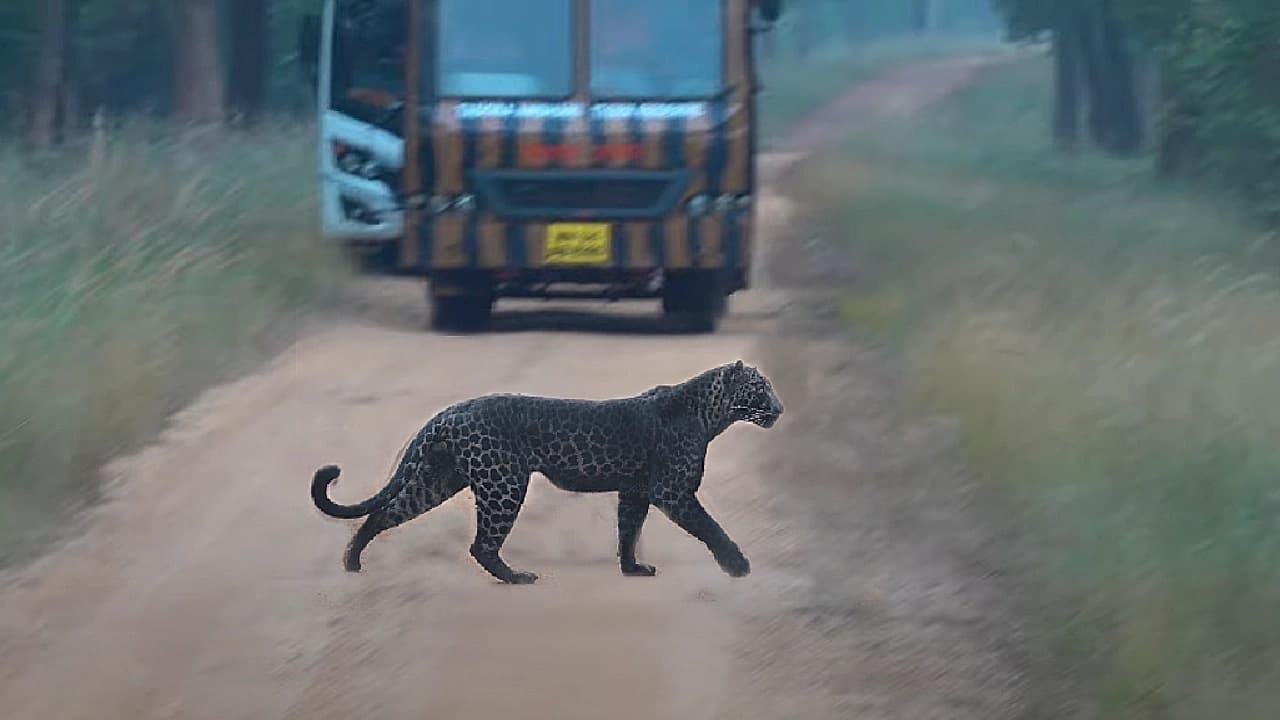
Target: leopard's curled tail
[
  {"x": 325, "y": 477},
  {"x": 401, "y": 472}
]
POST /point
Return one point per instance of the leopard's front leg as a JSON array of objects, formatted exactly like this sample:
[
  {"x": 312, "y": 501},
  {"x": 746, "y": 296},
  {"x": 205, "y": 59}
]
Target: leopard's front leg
[
  {"x": 684, "y": 510},
  {"x": 633, "y": 506}
]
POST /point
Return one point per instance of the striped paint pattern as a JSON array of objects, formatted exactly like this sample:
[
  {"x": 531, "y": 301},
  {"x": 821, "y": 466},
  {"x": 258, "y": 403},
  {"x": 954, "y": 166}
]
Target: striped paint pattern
[{"x": 715, "y": 149}]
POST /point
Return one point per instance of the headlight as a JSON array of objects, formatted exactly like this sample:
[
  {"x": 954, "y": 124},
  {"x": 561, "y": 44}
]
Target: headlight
[
  {"x": 356, "y": 161},
  {"x": 724, "y": 204},
  {"x": 465, "y": 203},
  {"x": 370, "y": 170},
  {"x": 698, "y": 204},
  {"x": 349, "y": 163}
]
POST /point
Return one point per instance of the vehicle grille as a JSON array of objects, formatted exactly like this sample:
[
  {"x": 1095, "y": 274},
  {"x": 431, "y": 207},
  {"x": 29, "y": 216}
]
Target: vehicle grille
[{"x": 549, "y": 195}]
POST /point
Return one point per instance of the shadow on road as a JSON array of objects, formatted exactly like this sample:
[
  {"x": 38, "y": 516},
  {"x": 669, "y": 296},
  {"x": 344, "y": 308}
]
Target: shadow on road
[
  {"x": 400, "y": 305},
  {"x": 610, "y": 319}
]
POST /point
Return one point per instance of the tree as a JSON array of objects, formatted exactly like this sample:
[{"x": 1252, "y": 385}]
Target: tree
[
  {"x": 804, "y": 32},
  {"x": 1092, "y": 53},
  {"x": 1115, "y": 117},
  {"x": 1219, "y": 104},
  {"x": 197, "y": 82},
  {"x": 52, "y": 100},
  {"x": 924, "y": 15},
  {"x": 1068, "y": 68},
  {"x": 249, "y": 42}
]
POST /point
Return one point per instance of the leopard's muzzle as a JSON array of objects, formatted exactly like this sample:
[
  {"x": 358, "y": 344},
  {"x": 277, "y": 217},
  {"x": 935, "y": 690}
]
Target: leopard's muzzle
[{"x": 764, "y": 417}]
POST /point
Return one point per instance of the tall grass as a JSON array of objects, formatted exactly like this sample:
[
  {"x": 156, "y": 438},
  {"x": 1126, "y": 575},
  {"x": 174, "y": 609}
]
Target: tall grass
[
  {"x": 133, "y": 272},
  {"x": 1111, "y": 349}
]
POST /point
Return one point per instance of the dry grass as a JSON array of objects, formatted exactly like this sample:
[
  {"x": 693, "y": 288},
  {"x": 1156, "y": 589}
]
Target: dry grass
[
  {"x": 135, "y": 272},
  {"x": 1110, "y": 348}
]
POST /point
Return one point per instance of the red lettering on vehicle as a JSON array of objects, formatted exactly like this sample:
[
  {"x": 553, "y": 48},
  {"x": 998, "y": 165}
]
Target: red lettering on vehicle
[
  {"x": 549, "y": 153},
  {"x": 568, "y": 154},
  {"x": 611, "y": 153}
]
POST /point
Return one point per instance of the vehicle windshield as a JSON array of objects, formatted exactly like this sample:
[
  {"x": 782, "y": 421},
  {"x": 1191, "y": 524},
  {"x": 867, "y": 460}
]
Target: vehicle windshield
[
  {"x": 656, "y": 48},
  {"x": 505, "y": 48}
]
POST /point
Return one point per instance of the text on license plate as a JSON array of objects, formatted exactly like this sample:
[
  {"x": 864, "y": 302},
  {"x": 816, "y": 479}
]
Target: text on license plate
[{"x": 578, "y": 244}]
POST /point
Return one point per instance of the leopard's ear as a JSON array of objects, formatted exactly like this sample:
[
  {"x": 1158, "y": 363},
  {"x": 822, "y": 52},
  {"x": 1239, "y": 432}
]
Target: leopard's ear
[{"x": 734, "y": 373}]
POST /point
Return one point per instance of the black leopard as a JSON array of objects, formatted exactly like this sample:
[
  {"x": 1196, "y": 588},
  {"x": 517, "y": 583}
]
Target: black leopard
[{"x": 650, "y": 449}]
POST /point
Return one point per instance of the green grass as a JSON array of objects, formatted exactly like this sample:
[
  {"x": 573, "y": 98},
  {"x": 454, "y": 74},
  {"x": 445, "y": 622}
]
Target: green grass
[
  {"x": 136, "y": 272},
  {"x": 1111, "y": 349},
  {"x": 793, "y": 88}
]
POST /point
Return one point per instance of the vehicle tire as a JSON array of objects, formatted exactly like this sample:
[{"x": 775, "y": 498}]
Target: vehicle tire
[
  {"x": 460, "y": 313},
  {"x": 695, "y": 300},
  {"x": 374, "y": 259}
]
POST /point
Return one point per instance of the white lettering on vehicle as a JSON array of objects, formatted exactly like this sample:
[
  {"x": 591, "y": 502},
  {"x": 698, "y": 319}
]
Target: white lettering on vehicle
[{"x": 571, "y": 110}]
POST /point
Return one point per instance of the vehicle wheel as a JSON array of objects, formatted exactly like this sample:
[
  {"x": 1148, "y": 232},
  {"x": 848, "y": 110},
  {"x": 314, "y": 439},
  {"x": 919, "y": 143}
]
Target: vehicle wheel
[
  {"x": 379, "y": 259},
  {"x": 460, "y": 313},
  {"x": 694, "y": 299}
]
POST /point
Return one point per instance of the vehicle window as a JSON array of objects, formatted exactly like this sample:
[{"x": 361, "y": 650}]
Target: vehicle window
[
  {"x": 368, "y": 57},
  {"x": 656, "y": 48},
  {"x": 506, "y": 48}
]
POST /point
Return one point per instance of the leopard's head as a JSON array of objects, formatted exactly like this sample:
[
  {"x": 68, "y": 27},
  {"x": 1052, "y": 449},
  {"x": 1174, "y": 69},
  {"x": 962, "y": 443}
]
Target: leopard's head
[{"x": 751, "y": 396}]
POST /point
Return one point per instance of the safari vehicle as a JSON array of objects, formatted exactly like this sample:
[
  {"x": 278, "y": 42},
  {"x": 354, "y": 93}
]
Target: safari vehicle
[{"x": 542, "y": 148}]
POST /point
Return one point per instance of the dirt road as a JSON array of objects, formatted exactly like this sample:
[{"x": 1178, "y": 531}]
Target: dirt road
[{"x": 209, "y": 587}]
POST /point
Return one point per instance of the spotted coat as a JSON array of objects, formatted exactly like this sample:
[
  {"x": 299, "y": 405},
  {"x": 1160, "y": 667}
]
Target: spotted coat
[{"x": 650, "y": 449}]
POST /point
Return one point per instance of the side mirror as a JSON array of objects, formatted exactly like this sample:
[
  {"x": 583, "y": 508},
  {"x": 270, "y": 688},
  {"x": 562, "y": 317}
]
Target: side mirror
[
  {"x": 770, "y": 10},
  {"x": 309, "y": 44}
]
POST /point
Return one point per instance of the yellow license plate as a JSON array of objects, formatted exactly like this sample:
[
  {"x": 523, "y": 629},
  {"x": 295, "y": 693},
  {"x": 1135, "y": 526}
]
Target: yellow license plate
[{"x": 578, "y": 244}]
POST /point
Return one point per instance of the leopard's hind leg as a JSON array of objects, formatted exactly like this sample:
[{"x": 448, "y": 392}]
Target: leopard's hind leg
[
  {"x": 433, "y": 487},
  {"x": 499, "y": 495}
]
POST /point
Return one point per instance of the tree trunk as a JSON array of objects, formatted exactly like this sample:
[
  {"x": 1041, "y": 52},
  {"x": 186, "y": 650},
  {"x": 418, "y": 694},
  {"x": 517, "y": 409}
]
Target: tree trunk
[
  {"x": 803, "y": 35},
  {"x": 1115, "y": 117},
  {"x": 924, "y": 15},
  {"x": 50, "y": 69},
  {"x": 249, "y": 47},
  {"x": 1121, "y": 73},
  {"x": 69, "y": 93},
  {"x": 1066, "y": 108},
  {"x": 69, "y": 103},
  {"x": 1096, "y": 73},
  {"x": 1177, "y": 128},
  {"x": 197, "y": 68},
  {"x": 769, "y": 44}
]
